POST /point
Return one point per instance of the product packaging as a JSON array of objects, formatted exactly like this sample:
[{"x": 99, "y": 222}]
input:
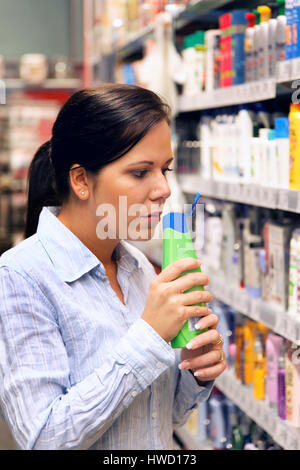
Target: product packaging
[
  {"x": 294, "y": 118},
  {"x": 292, "y": 384},
  {"x": 273, "y": 344},
  {"x": 178, "y": 244},
  {"x": 263, "y": 52},
  {"x": 282, "y": 135},
  {"x": 249, "y": 48},
  {"x": 289, "y": 11}
]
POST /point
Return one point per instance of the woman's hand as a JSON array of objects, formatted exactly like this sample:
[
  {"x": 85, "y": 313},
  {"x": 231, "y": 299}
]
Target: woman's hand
[
  {"x": 168, "y": 306},
  {"x": 205, "y": 356}
]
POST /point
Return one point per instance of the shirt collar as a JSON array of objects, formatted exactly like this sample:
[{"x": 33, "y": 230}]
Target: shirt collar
[{"x": 71, "y": 258}]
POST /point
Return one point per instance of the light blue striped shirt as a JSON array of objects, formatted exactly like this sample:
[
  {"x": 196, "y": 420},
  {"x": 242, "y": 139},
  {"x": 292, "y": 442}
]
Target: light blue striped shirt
[{"x": 78, "y": 368}]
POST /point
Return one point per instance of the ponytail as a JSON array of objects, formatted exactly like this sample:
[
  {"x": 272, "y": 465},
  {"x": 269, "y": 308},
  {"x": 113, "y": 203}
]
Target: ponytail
[{"x": 41, "y": 187}]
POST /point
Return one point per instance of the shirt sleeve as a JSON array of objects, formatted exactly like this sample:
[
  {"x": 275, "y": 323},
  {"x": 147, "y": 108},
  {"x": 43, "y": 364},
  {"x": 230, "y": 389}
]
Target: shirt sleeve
[
  {"x": 41, "y": 407},
  {"x": 188, "y": 394}
]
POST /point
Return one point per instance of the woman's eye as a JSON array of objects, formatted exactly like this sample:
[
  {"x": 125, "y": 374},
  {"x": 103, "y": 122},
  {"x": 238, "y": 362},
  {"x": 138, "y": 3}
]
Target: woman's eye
[
  {"x": 139, "y": 173},
  {"x": 142, "y": 173}
]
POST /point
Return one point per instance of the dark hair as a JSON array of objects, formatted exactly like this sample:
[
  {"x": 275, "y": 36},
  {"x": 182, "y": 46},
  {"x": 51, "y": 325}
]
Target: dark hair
[{"x": 93, "y": 128}]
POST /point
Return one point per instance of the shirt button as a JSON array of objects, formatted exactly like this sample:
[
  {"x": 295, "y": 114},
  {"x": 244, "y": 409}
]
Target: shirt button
[
  {"x": 154, "y": 415},
  {"x": 134, "y": 394},
  {"x": 159, "y": 365}
]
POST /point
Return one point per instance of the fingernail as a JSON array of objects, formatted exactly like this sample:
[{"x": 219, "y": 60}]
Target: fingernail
[
  {"x": 199, "y": 374},
  {"x": 191, "y": 345},
  {"x": 200, "y": 325},
  {"x": 184, "y": 365}
]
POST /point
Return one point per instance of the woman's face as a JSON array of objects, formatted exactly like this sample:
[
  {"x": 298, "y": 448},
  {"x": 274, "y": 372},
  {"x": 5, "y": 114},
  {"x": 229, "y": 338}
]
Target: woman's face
[{"x": 130, "y": 193}]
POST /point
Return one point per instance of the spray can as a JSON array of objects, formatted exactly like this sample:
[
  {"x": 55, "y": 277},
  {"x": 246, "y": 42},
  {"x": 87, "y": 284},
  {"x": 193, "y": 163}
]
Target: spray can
[{"x": 178, "y": 244}]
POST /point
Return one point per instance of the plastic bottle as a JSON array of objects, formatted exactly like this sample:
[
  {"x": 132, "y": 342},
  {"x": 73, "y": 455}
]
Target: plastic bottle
[
  {"x": 282, "y": 134},
  {"x": 273, "y": 345},
  {"x": 281, "y": 382},
  {"x": 272, "y": 39},
  {"x": 281, "y": 32},
  {"x": 257, "y": 44},
  {"x": 249, "y": 48},
  {"x": 178, "y": 244},
  {"x": 206, "y": 146},
  {"x": 294, "y": 118},
  {"x": 212, "y": 36},
  {"x": 190, "y": 56},
  {"x": 200, "y": 57},
  {"x": 249, "y": 338},
  {"x": 272, "y": 167},
  {"x": 289, "y": 6},
  {"x": 263, "y": 52},
  {"x": 245, "y": 125},
  {"x": 292, "y": 384},
  {"x": 296, "y": 29},
  {"x": 259, "y": 372}
]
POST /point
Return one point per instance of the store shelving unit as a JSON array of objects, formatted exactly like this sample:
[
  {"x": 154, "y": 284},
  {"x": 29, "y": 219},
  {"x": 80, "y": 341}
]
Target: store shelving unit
[
  {"x": 272, "y": 316},
  {"x": 261, "y": 196},
  {"x": 258, "y": 410}
]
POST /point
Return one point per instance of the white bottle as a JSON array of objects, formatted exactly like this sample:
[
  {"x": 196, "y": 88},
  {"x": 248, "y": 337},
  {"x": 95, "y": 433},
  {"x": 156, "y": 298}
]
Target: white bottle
[
  {"x": 264, "y": 140},
  {"x": 272, "y": 43},
  {"x": 190, "y": 57},
  {"x": 255, "y": 161},
  {"x": 281, "y": 32},
  {"x": 272, "y": 167},
  {"x": 283, "y": 151},
  {"x": 263, "y": 52},
  {"x": 244, "y": 122},
  {"x": 205, "y": 149},
  {"x": 256, "y": 44}
]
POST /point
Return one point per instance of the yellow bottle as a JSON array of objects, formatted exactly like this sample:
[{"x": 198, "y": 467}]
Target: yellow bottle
[
  {"x": 259, "y": 374},
  {"x": 249, "y": 338},
  {"x": 294, "y": 118}
]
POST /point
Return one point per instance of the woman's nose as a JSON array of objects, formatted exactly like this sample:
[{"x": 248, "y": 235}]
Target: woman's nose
[{"x": 161, "y": 189}]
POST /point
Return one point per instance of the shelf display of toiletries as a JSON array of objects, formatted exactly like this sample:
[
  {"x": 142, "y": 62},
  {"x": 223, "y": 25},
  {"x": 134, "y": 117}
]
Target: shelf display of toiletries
[
  {"x": 247, "y": 47},
  {"x": 257, "y": 250},
  {"x": 248, "y": 144}
]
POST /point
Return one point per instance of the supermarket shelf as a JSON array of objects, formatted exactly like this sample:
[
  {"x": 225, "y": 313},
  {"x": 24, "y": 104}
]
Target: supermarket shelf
[
  {"x": 262, "y": 196},
  {"x": 259, "y": 411},
  {"x": 49, "y": 84},
  {"x": 280, "y": 321},
  {"x": 190, "y": 440},
  {"x": 230, "y": 96},
  {"x": 287, "y": 71}
]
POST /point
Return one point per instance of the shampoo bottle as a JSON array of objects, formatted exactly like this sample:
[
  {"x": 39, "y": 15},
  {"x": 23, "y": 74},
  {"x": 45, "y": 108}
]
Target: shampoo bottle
[
  {"x": 292, "y": 383},
  {"x": 289, "y": 11},
  {"x": 263, "y": 52},
  {"x": 272, "y": 39},
  {"x": 282, "y": 135},
  {"x": 281, "y": 32},
  {"x": 178, "y": 244},
  {"x": 259, "y": 372},
  {"x": 249, "y": 48},
  {"x": 294, "y": 118},
  {"x": 281, "y": 382}
]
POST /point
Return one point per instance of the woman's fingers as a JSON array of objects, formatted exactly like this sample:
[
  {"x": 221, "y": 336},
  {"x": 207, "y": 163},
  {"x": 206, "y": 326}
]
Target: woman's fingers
[
  {"x": 202, "y": 361},
  {"x": 211, "y": 373},
  {"x": 208, "y": 337}
]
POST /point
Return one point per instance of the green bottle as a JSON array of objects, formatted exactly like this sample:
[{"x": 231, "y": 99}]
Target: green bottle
[{"x": 178, "y": 244}]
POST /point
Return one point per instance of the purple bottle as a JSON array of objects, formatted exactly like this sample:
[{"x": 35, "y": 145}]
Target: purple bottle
[{"x": 281, "y": 382}]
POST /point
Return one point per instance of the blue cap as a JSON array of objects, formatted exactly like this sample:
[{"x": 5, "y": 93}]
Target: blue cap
[
  {"x": 176, "y": 221},
  {"x": 282, "y": 128}
]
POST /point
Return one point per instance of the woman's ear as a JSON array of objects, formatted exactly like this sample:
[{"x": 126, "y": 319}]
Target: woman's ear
[{"x": 79, "y": 181}]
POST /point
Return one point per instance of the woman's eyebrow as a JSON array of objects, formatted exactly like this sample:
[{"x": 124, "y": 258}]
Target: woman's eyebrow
[{"x": 148, "y": 162}]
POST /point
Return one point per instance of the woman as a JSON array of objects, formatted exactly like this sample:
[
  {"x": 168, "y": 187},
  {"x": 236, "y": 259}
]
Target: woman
[{"x": 85, "y": 323}]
